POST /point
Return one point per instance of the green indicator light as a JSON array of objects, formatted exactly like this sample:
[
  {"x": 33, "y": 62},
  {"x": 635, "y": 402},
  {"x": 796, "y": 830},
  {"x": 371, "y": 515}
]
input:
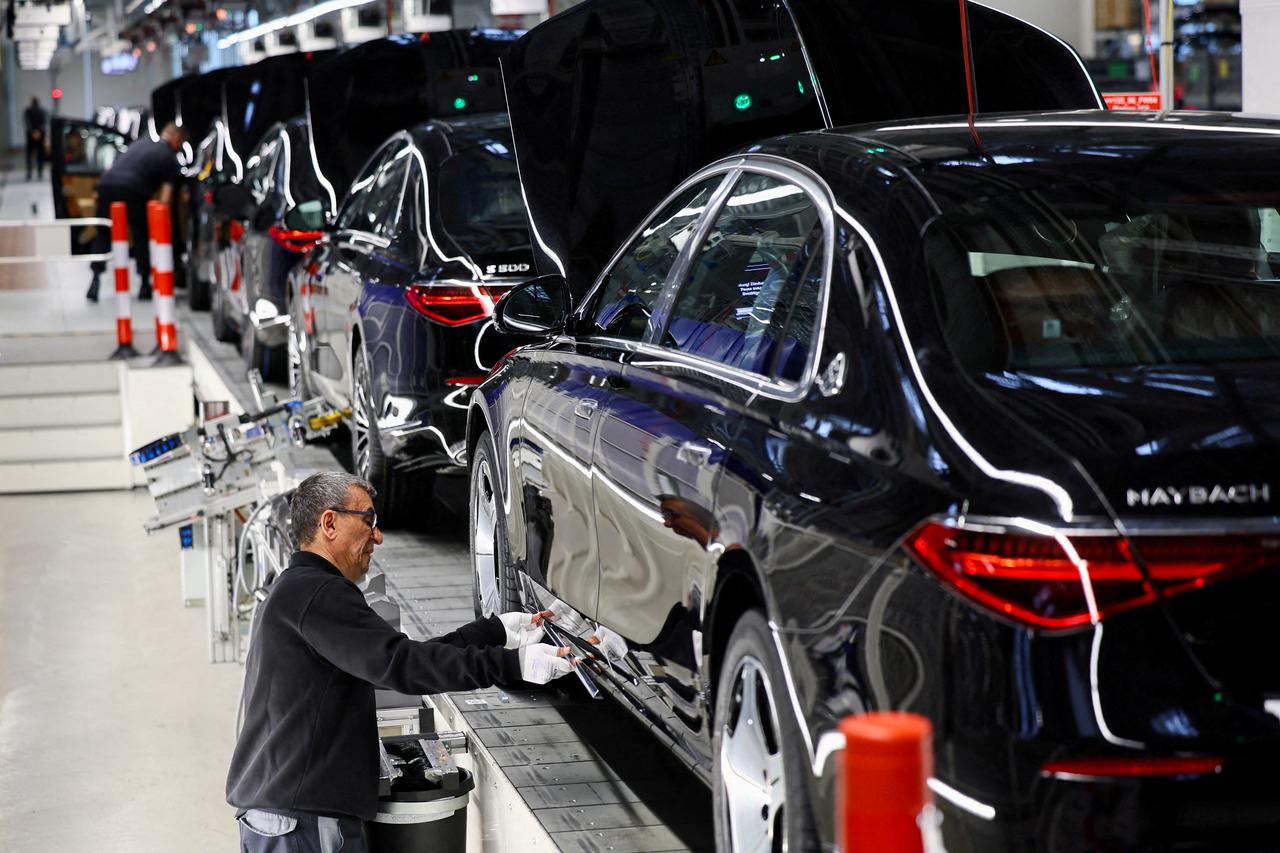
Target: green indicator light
[
  {"x": 875, "y": 150},
  {"x": 459, "y": 103},
  {"x": 742, "y": 102},
  {"x": 775, "y": 57},
  {"x": 1217, "y": 697},
  {"x": 473, "y": 78},
  {"x": 800, "y": 86}
]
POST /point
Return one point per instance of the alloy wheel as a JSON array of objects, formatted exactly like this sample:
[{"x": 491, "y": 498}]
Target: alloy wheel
[
  {"x": 754, "y": 788},
  {"x": 361, "y": 413},
  {"x": 295, "y": 366},
  {"x": 484, "y": 520}
]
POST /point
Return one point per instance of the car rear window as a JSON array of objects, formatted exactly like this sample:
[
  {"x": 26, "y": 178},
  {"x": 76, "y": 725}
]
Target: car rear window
[
  {"x": 1051, "y": 280},
  {"x": 481, "y": 207}
]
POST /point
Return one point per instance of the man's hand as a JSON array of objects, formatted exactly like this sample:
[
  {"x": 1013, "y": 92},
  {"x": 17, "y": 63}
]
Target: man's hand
[
  {"x": 539, "y": 662},
  {"x": 613, "y": 646},
  {"x": 523, "y": 628}
]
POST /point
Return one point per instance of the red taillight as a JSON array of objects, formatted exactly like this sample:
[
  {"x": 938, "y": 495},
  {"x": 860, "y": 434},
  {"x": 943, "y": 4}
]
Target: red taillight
[
  {"x": 293, "y": 239},
  {"x": 455, "y": 304},
  {"x": 464, "y": 380},
  {"x": 1132, "y": 768},
  {"x": 1063, "y": 581}
]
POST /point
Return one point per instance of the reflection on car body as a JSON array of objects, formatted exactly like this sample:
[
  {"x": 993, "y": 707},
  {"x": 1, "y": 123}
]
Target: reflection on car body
[{"x": 848, "y": 423}]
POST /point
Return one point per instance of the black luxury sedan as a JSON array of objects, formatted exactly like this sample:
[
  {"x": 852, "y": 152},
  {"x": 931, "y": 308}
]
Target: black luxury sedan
[
  {"x": 974, "y": 416},
  {"x": 273, "y": 217},
  {"x": 978, "y": 419},
  {"x": 392, "y": 310}
]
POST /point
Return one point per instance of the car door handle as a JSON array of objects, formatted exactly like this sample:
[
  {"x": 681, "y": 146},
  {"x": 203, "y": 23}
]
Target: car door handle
[
  {"x": 694, "y": 453},
  {"x": 586, "y": 408}
]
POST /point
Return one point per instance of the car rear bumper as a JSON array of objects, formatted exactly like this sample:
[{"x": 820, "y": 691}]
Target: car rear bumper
[{"x": 422, "y": 431}]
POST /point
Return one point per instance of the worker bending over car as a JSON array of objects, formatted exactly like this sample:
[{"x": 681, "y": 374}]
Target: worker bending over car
[{"x": 304, "y": 773}]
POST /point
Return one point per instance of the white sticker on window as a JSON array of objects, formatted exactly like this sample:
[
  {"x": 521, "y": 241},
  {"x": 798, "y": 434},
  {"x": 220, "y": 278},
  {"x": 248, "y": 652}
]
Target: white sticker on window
[{"x": 1051, "y": 328}]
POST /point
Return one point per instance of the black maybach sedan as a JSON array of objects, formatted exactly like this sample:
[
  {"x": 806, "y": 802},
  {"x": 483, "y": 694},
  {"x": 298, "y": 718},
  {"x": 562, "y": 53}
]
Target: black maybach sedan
[
  {"x": 391, "y": 312},
  {"x": 977, "y": 419}
]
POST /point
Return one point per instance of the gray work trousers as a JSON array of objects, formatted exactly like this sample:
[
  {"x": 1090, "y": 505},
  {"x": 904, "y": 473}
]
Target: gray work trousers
[{"x": 299, "y": 832}]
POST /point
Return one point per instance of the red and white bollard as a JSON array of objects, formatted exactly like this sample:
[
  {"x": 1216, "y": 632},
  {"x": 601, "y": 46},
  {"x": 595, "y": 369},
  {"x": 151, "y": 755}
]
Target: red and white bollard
[
  {"x": 120, "y": 262},
  {"x": 158, "y": 224},
  {"x": 884, "y": 797}
]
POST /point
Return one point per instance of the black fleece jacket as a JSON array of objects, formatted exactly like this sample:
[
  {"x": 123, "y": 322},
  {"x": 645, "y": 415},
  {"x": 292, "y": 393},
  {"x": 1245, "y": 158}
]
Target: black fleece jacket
[{"x": 309, "y": 741}]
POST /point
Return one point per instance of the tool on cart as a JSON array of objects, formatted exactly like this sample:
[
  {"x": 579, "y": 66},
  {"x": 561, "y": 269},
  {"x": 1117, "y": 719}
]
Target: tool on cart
[{"x": 226, "y": 484}]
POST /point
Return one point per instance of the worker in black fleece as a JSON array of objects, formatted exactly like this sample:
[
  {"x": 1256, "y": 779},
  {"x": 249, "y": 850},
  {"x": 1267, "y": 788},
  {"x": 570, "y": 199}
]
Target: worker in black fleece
[{"x": 305, "y": 768}]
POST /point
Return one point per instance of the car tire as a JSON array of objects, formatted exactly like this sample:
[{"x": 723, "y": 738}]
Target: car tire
[
  {"x": 272, "y": 362},
  {"x": 222, "y": 328},
  {"x": 754, "y": 725},
  {"x": 198, "y": 297},
  {"x": 403, "y": 497},
  {"x": 199, "y": 291},
  {"x": 493, "y": 573},
  {"x": 298, "y": 385}
]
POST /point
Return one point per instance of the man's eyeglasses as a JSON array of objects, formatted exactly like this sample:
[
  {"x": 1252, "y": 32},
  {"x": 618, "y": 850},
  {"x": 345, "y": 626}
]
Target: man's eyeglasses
[{"x": 370, "y": 516}]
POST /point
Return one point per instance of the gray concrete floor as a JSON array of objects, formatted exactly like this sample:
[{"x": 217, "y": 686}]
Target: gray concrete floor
[{"x": 114, "y": 732}]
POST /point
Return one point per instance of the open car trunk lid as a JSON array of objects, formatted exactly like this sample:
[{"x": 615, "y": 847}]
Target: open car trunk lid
[{"x": 613, "y": 102}]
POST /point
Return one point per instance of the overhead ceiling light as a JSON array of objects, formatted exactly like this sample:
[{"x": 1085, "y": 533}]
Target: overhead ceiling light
[{"x": 294, "y": 20}]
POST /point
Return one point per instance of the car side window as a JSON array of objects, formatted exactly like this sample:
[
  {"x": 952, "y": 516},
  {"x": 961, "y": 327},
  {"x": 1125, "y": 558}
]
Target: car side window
[
  {"x": 798, "y": 322},
  {"x": 352, "y": 214},
  {"x": 626, "y": 296},
  {"x": 411, "y": 227},
  {"x": 753, "y": 281},
  {"x": 384, "y": 195}
]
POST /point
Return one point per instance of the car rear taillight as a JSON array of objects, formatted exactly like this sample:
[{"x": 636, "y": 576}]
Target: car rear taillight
[
  {"x": 1058, "y": 580},
  {"x": 464, "y": 380},
  {"x": 1136, "y": 767},
  {"x": 455, "y": 303},
  {"x": 293, "y": 239}
]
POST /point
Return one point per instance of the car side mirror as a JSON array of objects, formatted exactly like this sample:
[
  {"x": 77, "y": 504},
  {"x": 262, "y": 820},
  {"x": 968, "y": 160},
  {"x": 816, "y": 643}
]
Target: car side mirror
[
  {"x": 234, "y": 201},
  {"x": 539, "y": 307}
]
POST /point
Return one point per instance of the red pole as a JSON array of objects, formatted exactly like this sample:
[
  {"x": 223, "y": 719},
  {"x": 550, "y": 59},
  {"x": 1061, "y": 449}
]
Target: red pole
[
  {"x": 884, "y": 776},
  {"x": 158, "y": 224},
  {"x": 120, "y": 261}
]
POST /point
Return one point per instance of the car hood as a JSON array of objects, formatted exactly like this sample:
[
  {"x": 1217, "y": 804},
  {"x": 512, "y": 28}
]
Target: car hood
[
  {"x": 614, "y": 102},
  {"x": 1192, "y": 442}
]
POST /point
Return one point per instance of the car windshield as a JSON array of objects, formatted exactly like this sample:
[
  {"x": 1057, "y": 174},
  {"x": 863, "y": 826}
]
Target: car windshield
[
  {"x": 1090, "y": 276},
  {"x": 481, "y": 207}
]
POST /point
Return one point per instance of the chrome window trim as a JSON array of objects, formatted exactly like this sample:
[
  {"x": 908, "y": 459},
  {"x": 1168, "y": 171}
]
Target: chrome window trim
[
  {"x": 720, "y": 167},
  {"x": 778, "y": 167},
  {"x": 684, "y": 258}
]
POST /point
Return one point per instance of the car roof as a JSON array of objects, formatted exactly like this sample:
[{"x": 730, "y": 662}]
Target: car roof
[{"x": 952, "y": 159}]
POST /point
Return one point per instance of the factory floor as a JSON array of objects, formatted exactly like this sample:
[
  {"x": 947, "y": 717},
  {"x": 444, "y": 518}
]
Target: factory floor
[{"x": 114, "y": 732}]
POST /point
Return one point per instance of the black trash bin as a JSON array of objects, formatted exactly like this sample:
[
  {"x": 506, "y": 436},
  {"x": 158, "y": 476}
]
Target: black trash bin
[{"x": 420, "y": 815}]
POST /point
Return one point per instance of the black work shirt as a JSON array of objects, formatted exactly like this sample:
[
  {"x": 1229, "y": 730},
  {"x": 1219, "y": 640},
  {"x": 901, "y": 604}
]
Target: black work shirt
[
  {"x": 310, "y": 738},
  {"x": 142, "y": 169}
]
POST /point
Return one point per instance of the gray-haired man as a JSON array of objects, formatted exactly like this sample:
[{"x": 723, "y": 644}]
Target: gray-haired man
[{"x": 305, "y": 768}]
